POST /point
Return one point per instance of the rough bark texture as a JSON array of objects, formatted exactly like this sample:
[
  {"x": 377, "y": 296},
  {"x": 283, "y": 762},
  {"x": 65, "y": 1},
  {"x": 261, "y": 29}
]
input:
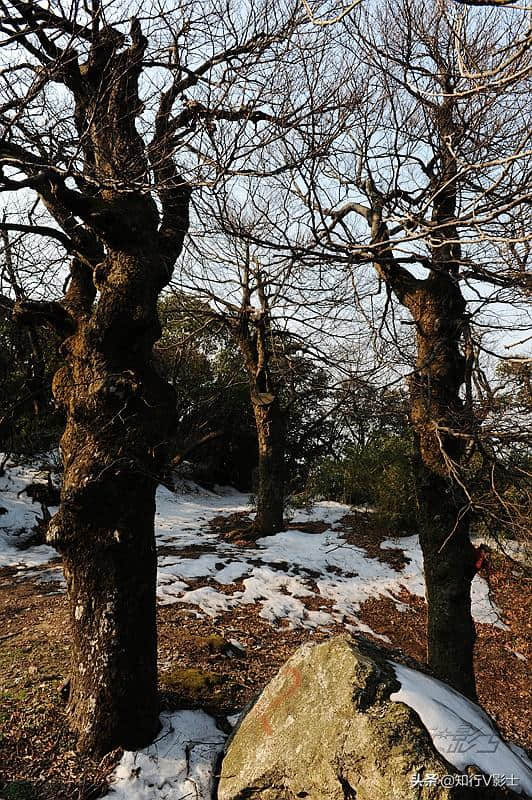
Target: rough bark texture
[
  {"x": 253, "y": 334},
  {"x": 441, "y": 420},
  {"x": 436, "y": 407},
  {"x": 271, "y": 438},
  {"x": 118, "y": 410}
]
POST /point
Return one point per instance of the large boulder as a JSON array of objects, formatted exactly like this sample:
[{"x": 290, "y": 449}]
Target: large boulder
[{"x": 325, "y": 728}]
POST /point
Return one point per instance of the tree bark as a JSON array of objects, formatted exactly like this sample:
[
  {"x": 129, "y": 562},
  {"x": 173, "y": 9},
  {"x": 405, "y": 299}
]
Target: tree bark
[
  {"x": 441, "y": 420},
  {"x": 111, "y": 588},
  {"x": 448, "y": 558},
  {"x": 271, "y": 439},
  {"x": 118, "y": 410},
  {"x": 253, "y": 334},
  {"x": 437, "y": 408}
]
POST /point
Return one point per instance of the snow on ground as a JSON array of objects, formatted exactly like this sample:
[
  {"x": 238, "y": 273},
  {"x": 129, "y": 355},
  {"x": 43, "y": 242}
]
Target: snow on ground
[
  {"x": 19, "y": 517},
  {"x": 178, "y": 765},
  {"x": 462, "y": 732},
  {"x": 282, "y": 569},
  {"x": 181, "y": 763},
  {"x": 278, "y": 573}
]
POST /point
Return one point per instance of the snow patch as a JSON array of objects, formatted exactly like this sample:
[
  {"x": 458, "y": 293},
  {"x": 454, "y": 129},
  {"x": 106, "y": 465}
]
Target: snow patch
[
  {"x": 282, "y": 569},
  {"x": 20, "y": 517},
  {"x": 277, "y": 574},
  {"x": 179, "y": 764},
  {"x": 461, "y": 731}
]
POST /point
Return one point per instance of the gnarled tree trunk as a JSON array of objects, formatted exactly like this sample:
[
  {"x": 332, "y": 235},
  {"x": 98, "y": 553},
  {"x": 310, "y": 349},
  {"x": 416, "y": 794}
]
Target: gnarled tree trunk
[
  {"x": 117, "y": 412},
  {"x": 253, "y": 333},
  {"x": 440, "y": 418},
  {"x": 441, "y": 422}
]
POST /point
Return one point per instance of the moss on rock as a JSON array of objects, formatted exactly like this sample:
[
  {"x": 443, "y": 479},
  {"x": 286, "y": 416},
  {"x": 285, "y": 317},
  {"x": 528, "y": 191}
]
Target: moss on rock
[{"x": 325, "y": 729}]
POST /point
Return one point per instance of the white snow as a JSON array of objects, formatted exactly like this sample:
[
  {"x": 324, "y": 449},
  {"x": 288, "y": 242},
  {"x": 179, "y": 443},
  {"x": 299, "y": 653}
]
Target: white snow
[
  {"x": 178, "y": 765},
  {"x": 461, "y": 731},
  {"x": 520, "y": 551},
  {"x": 282, "y": 569},
  {"x": 484, "y": 610},
  {"x": 16, "y": 525},
  {"x": 277, "y": 574}
]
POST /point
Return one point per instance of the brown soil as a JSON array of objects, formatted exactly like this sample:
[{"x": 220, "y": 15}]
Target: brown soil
[
  {"x": 361, "y": 530},
  {"x": 38, "y": 760},
  {"x": 313, "y": 526}
]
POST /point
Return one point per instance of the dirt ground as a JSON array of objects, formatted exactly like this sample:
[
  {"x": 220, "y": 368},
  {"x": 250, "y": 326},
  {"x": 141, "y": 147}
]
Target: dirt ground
[{"x": 199, "y": 667}]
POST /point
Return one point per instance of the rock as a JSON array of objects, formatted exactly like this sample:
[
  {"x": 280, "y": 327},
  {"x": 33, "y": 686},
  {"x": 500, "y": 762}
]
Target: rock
[{"x": 325, "y": 729}]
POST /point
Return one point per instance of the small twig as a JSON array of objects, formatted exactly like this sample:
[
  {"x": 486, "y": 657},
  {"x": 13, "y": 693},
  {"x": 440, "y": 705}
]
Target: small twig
[{"x": 9, "y": 636}]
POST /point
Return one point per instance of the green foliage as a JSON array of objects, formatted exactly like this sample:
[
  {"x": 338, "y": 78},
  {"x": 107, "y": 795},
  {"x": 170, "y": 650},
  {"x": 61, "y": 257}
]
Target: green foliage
[
  {"x": 197, "y": 355},
  {"x": 500, "y": 488},
  {"x": 299, "y": 501},
  {"x": 29, "y": 421},
  {"x": 19, "y": 790},
  {"x": 377, "y": 474}
]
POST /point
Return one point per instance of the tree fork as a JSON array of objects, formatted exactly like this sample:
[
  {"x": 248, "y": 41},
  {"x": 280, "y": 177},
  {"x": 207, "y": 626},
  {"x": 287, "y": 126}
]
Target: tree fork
[
  {"x": 269, "y": 420},
  {"x": 119, "y": 412}
]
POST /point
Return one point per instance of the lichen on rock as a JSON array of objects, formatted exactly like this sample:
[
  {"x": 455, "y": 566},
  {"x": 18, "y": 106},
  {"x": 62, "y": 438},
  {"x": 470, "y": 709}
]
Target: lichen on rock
[{"x": 325, "y": 728}]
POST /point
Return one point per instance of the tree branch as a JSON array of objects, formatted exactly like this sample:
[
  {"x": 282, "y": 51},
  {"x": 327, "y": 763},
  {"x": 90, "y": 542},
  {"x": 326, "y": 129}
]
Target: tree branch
[
  {"x": 209, "y": 437},
  {"x": 45, "y": 312},
  {"x": 42, "y": 230}
]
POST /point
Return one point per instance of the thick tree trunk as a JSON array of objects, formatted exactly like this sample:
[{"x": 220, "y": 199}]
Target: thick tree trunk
[
  {"x": 271, "y": 440},
  {"x": 441, "y": 420},
  {"x": 111, "y": 589},
  {"x": 436, "y": 409},
  {"x": 448, "y": 558},
  {"x": 118, "y": 411}
]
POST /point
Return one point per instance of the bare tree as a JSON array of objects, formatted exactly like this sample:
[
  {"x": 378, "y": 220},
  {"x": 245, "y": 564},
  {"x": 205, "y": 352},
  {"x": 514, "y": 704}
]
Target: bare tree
[
  {"x": 250, "y": 300},
  {"x": 107, "y": 127},
  {"x": 429, "y": 183}
]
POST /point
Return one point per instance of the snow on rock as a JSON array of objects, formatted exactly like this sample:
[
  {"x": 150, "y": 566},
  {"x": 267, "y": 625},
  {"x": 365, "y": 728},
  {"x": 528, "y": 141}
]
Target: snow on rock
[
  {"x": 179, "y": 765},
  {"x": 461, "y": 731}
]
